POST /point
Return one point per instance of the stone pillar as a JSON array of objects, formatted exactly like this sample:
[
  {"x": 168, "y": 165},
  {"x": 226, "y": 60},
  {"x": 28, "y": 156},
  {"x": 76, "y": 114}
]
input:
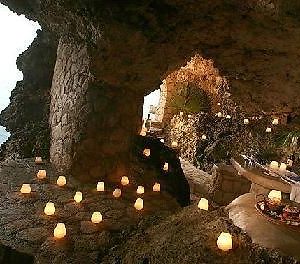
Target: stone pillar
[{"x": 92, "y": 124}]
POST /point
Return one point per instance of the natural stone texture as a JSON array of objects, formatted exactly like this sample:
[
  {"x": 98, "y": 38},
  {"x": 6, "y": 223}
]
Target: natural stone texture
[{"x": 26, "y": 118}]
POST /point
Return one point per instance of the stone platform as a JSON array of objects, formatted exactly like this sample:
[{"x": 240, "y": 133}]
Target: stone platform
[{"x": 25, "y": 228}]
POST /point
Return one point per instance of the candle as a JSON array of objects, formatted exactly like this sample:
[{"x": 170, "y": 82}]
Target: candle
[
  {"x": 38, "y": 160},
  {"x": 274, "y": 165},
  {"x": 203, "y": 137},
  {"x": 139, "y": 204},
  {"x": 100, "y": 187},
  {"x": 189, "y": 116},
  {"x": 268, "y": 130},
  {"x": 174, "y": 144},
  {"x": 117, "y": 193},
  {"x": 166, "y": 166},
  {"x": 96, "y": 217},
  {"x": 246, "y": 121},
  {"x": 275, "y": 121},
  {"x": 41, "y": 174},
  {"x": 49, "y": 209},
  {"x": 146, "y": 152},
  {"x": 228, "y": 116},
  {"x": 181, "y": 113},
  {"x": 224, "y": 241},
  {"x": 61, "y": 181},
  {"x": 219, "y": 114},
  {"x": 156, "y": 187},
  {"x": 219, "y": 104},
  {"x": 275, "y": 196},
  {"x": 78, "y": 197},
  {"x": 282, "y": 167},
  {"x": 60, "y": 230},
  {"x": 124, "y": 181},
  {"x": 140, "y": 190},
  {"x": 25, "y": 189},
  {"x": 203, "y": 204},
  {"x": 162, "y": 140}
]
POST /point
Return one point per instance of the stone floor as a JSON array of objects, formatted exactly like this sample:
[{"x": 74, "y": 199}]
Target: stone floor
[
  {"x": 261, "y": 231},
  {"x": 24, "y": 226}
]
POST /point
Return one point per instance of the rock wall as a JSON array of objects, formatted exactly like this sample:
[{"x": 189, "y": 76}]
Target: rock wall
[{"x": 26, "y": 118}]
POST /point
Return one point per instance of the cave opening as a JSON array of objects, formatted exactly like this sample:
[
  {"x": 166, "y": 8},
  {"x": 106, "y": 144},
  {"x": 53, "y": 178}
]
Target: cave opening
[{"x": 17, "y": 33}]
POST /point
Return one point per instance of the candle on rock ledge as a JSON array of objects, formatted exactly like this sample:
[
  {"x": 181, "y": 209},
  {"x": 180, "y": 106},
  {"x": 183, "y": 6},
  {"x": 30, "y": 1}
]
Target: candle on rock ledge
[
  {"x": 139, "y": 204},
  {"x": 78, "y": 197},
  {"x": 42, "y": 174},
  {"x": 100, "y": 187},
  {"x": 166, "y": 166},
  {"x": 96, "y": 217},
  {"x": 25, "y": 189},
  {"x": 124, "y": 180},
  {"x": 228, "y": 116},
  {"x": 275, "y": 121},
  {"x": 61, "y": 181},
  {"x": 117, "y": 193},
  {"x": 38, "y": 160},
  {"x": 219, "y": 114},
  {"x": 203, "y": 137},
  {"x": 203, "y": 204},
  {"x": 282, "y": 167},
  {"x": 268, "y": 130},
  {"x": 49, "y": 209},
  {"x": 156, "y": 187},
  {"x": 274, "y": 165},
  {"x": 140, "y": 190},
  {"x": 224, "y": 241},
  {"x": 147, "y": 152},
  {"x": 246, "y": 121},
  {"x": 60, "y": 230},
  {"x": 275, "y": 196}
]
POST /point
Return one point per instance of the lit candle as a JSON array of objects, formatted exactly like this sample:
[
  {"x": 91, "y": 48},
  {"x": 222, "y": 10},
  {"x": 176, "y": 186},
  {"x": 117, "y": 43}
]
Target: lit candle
[
  {"x": 174, "y": 144},
  {"x": 282, "y": 167},
  {"x": 224, "y": 241},
  {"x": 156, "y": 187},
  {"x": 166, "y": 166},
  {"x": 41, "y": 174},
  {"x": 25, "y": 189},
  {"x": 228, "y": 116},
  {"x": 60, "y": 230},
  {"x": 189, "y": 116},
  {"x": 78, "y": 197},
  {"x": 100, "y": 187},
  {"x": 139, "y": 204},
  {"x": 117, "y": 193},
  {"x": 124, "y": 180},
  {"x": 275, "y": 121},
  {"x": 96, "y": 217},
  {"x": 147, "y": 152},
  {"x": 140, "y": 190},
  {"x": 218, "y": 104},
  {"x": 275, "y": 196},
  {"x": 162, "y": 140},
  {"x": 274, "y": 165},
  {"x": 61, "y": 181},
  {"x": 49, "y": 209},
  {"x": 219, "y": 114},
  {"x": 181, "y": 113},
  {"x": 203, "y": 137},
  {"x": 203, "y": 204},
  {"x": 38, "y": 160},
  {"x": 268, "y": 130},
  {"x": 246, "y": 121}
]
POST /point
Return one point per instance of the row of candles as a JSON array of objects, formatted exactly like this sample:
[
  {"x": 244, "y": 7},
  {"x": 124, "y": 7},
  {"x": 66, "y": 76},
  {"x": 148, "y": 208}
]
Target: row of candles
[{"x": 224, "y": 241}]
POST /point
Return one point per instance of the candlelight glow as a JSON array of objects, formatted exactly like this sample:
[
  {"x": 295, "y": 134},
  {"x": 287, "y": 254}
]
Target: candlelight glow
[
  {"x": 203, "y": 137},
  {"x": 124, "y": 180},
  {"x": 274, "y": 165},
  {"x": 228, "y": 116},
  {"x": 268, "y": 130},
  {"x": 61, "y": 181},
  {"x": 100, "y": 187},
  {"x": 49, "y": 209},
  {"x": 96, "y": 217},
  {"x": 181, "y": 113},
  {"x": 60, "y": 230},
  {"x": 38, "y": 160},
  {"x": 275, "y": 196},
  {"x": 246, "y": 121},
  {"x": 224, "y": 241},
  {"x": 25, "y": 189},
  {"x": 117, "y": 193},
  {"x": 275, "y": 121},
  {"x": 147, "y": 152},
  {"x": 174, "y": 144},
  {"x": 42, "y": 174},
  {"x": 166, "y": 166},
  {"x": 156, "y": 187},
  {"x": 219, "y": 114},
  {"x": 203, "y": 204},
  {"x": 140, "y": 190},
  {"x": 78, "y": 197},
  {"x": 139, "y": 204}
]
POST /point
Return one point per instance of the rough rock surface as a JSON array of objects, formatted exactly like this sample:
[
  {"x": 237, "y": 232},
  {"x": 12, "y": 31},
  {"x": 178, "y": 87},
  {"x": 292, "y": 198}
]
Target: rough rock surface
[{"x": 24, "y": 226}]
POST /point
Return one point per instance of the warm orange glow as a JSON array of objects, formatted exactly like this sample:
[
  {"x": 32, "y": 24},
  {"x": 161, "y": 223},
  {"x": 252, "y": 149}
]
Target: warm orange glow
[
  {"x": 61, "y": 181},
  {"x": 49, "y": 209},
  {"x": 139, "y": 204},
  {"x": 124, "y": 180},
  {"x": 25, "y": 189},
  {"x": 117, "y": 193},
  {"x": 140, "y": 190},
  {"x": 60, "y": 230},
  {"x": 100, "y": 187},
  {"x": 78, "y": 197},
  {"x": 42, "y": 174},
  {"x": 224, "y": 241},
  {"x": 96, "y": 217},
  {"x": 156, "y": 187}
]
